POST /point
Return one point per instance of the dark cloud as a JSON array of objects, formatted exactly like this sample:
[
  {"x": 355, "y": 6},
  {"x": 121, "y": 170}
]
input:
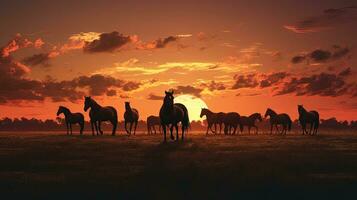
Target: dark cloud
[
  {"x": 214, "y": 86},
  {"x": 330, "y": 18},
  {"x": 154, "y": 97},
  {"x": 188, "y": 90},
  {"x": 321, "y": 55},
  {"x": 245, "y": 81},
  {"x": 323, "y": 84},
  {"x": 111, "y": 93},
  {"x": 161, "y": 43},
  {"x": 272, "y": 79},
  {"x": 37, "y": 59},
  {"x": 298, "y": 59},
  {"x": 107, "y": 42}
]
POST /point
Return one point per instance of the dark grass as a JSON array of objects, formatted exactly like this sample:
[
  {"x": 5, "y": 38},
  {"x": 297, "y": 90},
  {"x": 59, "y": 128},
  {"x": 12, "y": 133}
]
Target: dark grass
[{"x": 286, "y": 167}]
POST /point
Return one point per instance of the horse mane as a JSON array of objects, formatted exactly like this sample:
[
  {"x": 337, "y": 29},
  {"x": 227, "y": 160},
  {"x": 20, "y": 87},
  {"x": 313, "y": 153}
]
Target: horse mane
[
  {"x": 253, "y": 115},
  {"x": 272, "y": 111}
]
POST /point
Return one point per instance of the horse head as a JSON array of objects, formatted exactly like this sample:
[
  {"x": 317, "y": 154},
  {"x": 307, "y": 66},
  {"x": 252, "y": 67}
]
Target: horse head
[
  {"x": 301, "y": 109},
  {"x": 169, "y": 99},
  {"x": 60, "y": 110},
  {"x": 127, "y": 105},
  {"x": 259, "y": 117},
  {"x": 203, "y": 112},
  {"x": 87, "y": 103}
]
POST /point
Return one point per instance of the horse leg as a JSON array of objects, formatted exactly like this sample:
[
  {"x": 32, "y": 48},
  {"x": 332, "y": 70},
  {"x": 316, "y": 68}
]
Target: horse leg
[
  {"x": 256, "y": 128},
  {"x": 311, "y": 128},
  {"x": 271, "y": 129},
  {"x": 67, "y": 128},
  {"x": 91, "y": 124},
  {"x": 249, "y": 127},
  {"x": 177, "y": 137},
  {"x": 164, "y": 130},
  {"x": 171, "y": 129},
  {"x": 126, "y": 129},
  {"x": 208, "y": 126},
  {"x": 277, "y": 129},
  {"x": 131, "y": 126},
  {"x": 220, "y": 128},
  {"x": 96, "y": 127},
  {"x": 70, "y": 127},
  {"x": 215, "y": 128},
  {"x": 183, "y": 131},
  {"x": 136, "y": 125}
]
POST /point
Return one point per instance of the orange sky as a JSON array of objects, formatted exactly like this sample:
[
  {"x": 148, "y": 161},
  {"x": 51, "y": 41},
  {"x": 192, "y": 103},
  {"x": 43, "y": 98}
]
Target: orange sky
[{"x": 241, "y": 56}]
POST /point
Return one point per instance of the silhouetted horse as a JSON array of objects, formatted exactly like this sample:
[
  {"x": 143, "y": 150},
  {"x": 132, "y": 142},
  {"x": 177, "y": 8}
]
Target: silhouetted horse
[
  {"x": 311, "y": 117},
  {"x": 231, "y": 120},
  {"x": 278, "y": 119},
  {"x": 131, "y": 116},
  {"x": 151, "y": 122},
  {"x": 71, "y": 118},
  {"x": 250, "y": 122},
  {"x": 172, "y": 114},
  {"x": 99, "y": 114},
  {"x": 212, "y": 119}
]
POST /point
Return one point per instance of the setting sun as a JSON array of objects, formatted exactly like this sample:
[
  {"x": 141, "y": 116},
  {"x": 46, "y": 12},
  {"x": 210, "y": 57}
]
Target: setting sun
[{"x": 193, "y": 104}]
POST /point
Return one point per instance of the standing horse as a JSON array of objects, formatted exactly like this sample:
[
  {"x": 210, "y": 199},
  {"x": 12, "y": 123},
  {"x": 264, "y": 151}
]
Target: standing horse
[
  {"x": 311, "y": 117},
  {"x": 212, "y": 119},
  {"x": 250, "y": 122},
  {"x": 151, "y": 122},
  {"x": 172, "y": 114},
  {"x": 231, "y": 120},
  {"x": 131, "y": 116},
  {"x": 99, "y": 114},
  {"x": 278, "y": 119},
  {"x": 71, "y": 118}
]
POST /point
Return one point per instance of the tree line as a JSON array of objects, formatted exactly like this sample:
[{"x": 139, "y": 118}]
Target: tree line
[{"x": 33, "y": 124}]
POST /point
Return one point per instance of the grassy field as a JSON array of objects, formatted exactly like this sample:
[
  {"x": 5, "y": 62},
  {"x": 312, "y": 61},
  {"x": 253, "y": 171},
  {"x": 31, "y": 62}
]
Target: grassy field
[{"x": 53, "y": 165}]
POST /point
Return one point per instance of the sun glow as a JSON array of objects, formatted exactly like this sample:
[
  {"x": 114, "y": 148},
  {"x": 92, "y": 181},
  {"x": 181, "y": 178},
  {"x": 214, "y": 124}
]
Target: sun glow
[{"x": 193, "y": 104}]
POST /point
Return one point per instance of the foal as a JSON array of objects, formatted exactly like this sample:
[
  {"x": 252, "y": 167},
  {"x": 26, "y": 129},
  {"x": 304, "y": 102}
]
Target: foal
[{"x": 71, "y": 118}]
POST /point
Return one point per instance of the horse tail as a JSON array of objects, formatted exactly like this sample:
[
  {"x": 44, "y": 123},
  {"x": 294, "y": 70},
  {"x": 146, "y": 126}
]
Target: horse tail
[
  {"x": 317, "y": 123},
  {"x": 185, "y": 121}
]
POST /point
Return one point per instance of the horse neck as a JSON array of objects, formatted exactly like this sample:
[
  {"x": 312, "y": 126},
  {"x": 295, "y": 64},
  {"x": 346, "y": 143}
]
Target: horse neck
[
  {"x": 95, "y": 105},
  {"x": 67, "y": 112},
  {"x": 128, "y": 108},
  {"x": 302, "y": 111},
  {"x": 272, "y": 113},
  {"x": 168, "y": 108}
]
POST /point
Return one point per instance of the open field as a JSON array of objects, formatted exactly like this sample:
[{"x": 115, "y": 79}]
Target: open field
[{"x": 293, "y": 166}]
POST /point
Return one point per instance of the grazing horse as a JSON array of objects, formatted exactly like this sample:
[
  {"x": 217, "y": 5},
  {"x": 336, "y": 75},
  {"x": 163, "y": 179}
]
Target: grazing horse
[
  {"x": 71, "y": 118},
  {"x": 131, "y": 116},
  {"x": 311, "y": 117},
  {"x": 212, "y": 119},
  {"x": 151, "y": 122},
  {"x": 99, "y": 114},
  {"x": 250, "y": 122},
  {"x": 171, "y": 114},
  {"x": 231, "y": 120},
  {"x": 278, "y": 119}
]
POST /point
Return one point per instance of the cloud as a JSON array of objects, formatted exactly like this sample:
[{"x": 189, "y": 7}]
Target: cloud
[
  {"x": 188, "y": 90},
  {"x": 323, "y": 84},
  {"x": 107, "y": 42},
  {"x": 212, "y": 86},
  {"x": 272, "y": 79},
  {"x": 245, "y": 81},
  {"x": 321, "y": 55},
  {"x": 37, "y": 59},
  {"x": 330, "y": 18},
  {"x": 158, "y": 44},
  {"x": 154, "y": 97}
]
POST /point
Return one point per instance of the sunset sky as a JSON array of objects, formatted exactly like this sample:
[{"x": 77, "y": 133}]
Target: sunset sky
[{"x": 241, "y": 56}]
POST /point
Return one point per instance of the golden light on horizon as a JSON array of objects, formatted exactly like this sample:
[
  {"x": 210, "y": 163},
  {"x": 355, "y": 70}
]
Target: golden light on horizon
[{"x": 193, "y": 104}]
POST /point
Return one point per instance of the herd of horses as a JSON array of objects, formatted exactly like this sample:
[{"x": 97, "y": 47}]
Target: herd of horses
[{"x": 171, "y": 114}]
